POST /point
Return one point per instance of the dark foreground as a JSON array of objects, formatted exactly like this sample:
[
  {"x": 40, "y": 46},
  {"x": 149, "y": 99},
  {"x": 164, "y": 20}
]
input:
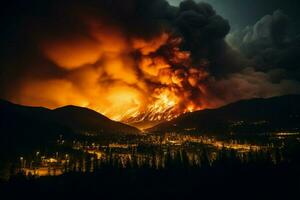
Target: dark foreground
[{"x": 226, "y": 181}]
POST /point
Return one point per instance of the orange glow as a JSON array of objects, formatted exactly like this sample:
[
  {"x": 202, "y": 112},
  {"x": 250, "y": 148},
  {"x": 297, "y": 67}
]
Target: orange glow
[
  {"x": 153, "y": 66},
  {"x": 147, "y": 47},
  {"x": 126, "y": 102},
  {"x": 51, "y": 94},
  {"x": 72, "y": 53},
  {"x": 120, "y": 76},
  {"x": 164, "y": 103}
]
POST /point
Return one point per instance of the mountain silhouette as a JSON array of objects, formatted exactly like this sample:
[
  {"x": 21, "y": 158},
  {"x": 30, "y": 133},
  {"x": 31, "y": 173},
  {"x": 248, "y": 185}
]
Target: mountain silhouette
[
  {"x": 25, "y": 127},
  {"x": 87, "y": 120}
]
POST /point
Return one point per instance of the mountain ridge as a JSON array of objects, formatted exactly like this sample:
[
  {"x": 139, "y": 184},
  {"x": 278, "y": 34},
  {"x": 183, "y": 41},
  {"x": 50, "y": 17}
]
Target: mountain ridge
[
  {"x": 284, "y": 110},
  {"x": 91, "y": 118},
  {"x": 24, "y": 126}
]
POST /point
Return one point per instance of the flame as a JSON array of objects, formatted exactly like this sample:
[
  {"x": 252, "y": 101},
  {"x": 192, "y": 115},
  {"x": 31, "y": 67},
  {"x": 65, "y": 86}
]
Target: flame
[{"x": 162, "y": 107}]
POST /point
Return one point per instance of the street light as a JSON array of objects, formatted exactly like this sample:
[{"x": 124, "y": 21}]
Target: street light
[{"x": 21, "y": 161}]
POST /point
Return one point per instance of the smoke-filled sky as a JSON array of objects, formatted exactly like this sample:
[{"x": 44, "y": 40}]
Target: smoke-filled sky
[
  {"x": 241, "y": 13},
  {"x": 140, "y": 59}
]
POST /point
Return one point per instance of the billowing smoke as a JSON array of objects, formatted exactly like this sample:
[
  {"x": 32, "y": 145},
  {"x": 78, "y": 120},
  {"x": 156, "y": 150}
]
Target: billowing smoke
[
  {"x": 131, "y": 60},
  {"x": 273, "y": 47}
]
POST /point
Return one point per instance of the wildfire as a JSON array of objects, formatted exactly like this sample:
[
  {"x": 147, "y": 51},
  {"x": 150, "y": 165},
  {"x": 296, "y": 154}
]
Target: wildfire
[
  {"x": 162, "y": 108},
  {"x": 133, "y": 61},
  {"x": 126, "y": 79}
]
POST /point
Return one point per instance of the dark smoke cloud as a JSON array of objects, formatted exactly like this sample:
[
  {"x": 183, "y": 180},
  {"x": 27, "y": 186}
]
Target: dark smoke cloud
[
  {"x": 200, "y": 25},
  {"x": 272, "y": 45},
  {"x": 204, "y": 32}
]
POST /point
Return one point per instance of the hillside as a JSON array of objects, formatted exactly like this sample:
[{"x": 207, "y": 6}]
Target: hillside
[
  {"x": 86, "y": 120},
  {"x": 25, "y": 127},
  {"x": 246, "y": 116}
]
